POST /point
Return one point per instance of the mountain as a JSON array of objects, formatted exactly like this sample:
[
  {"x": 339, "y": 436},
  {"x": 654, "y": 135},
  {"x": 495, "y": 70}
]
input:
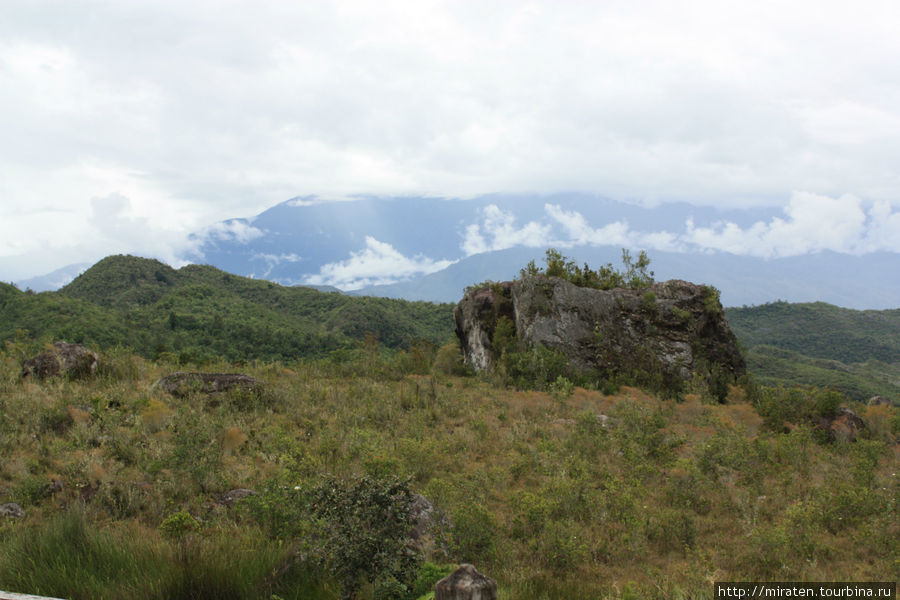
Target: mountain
[
  {"x": 199, "y": 312},
  {"x": 840, "y": 279},
  {"x": 53, "y": 280},
  {"x": 432, "y": 248}
]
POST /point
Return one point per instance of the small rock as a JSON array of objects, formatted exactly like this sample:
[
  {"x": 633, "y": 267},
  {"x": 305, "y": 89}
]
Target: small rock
[
  {"x": 427, "y": 524},
  {"x": 70, "y": 360},
  {"x": 182, "y": 384},
  {"x": 881, "y": 401},
  {"x": 231, "y": 497},
  {"x": 465, "y": 583},
  {"x": 12, "y": 510},
  {"x": 845, "y": 426}
]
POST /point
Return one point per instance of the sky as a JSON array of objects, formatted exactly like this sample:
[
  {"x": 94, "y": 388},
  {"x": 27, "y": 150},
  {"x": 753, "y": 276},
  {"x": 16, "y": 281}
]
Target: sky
[{"x": 125, "y": 126}]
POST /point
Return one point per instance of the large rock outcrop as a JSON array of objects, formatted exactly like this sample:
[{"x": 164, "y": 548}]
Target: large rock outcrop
[{"x": 674, "y": 327}]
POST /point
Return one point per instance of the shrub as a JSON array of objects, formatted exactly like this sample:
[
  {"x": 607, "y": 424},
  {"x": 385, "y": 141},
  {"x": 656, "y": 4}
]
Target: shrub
[
  {"x": 797, "y": 405},
  {"x": 635, "y": 276},
  {"x": 363, "y": 524},
  {"x": 473, "y": 533},
  {"x": 562, "y": 388},
  {"x": 537, "y": 367},
  {"x": 671, "y": 530},
  {"x": 449, "y": 360}
]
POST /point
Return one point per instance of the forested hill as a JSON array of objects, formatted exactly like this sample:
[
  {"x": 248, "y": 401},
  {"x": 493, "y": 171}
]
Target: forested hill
[
  {"x": 199, "y": 311},
  {"x": 858, "y": 352}
]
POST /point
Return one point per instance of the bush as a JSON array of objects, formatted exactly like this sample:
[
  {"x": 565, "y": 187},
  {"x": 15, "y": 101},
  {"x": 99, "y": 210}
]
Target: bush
[
  {"x": 797, "y": 405},
  {"x": 363, "y": 523},
  {"x": 473, "y": 533},
  {"x": 635, "y": 276},
  {"x": 449, "y": 360},
  {"x": 537, "y": 367}
]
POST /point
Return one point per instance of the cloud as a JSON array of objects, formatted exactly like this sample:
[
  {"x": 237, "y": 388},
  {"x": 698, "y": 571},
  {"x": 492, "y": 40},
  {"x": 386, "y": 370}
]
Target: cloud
[
  {"x": 497, "y": 231},
  {"x": 199, "y": 112},
  {"x": 238, "y": 230},
  {"x": 273, "y": 260},
  {"x": 810, "y": 223},
  {"x": 813, "y": 223},
  {"x": 378, "y": 264},
  {"x": 580, "y": 233}
]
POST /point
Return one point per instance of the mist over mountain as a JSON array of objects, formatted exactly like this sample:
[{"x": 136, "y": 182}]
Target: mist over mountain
[
  {"x": 432, "y": 248},
  {"x": 840, "y": 279}
]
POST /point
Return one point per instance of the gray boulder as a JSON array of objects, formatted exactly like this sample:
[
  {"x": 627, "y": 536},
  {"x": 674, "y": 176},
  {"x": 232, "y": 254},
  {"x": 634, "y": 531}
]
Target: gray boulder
[
  {"x": 11, "y": 510},
  {"x": 845, "y": 426},
  {"x": 231, "y": 497},
  {"x": 428, "y": 526},
  {"x": 672, "y": 327},
  {"x": 882, "y": 401},
  {"x": 183, "y": 384},
  {"x": 62, "y": 359},
  {"x": 465, "y": 583}
]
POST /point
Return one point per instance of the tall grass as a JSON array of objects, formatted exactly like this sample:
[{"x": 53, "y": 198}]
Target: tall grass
[{"x": 68, "y": 556}]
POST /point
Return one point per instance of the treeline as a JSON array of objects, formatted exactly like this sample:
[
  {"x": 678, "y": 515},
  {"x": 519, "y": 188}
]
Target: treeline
[
  {"x": 201, "y": 313},
  {"x": 856, "y": 352}
]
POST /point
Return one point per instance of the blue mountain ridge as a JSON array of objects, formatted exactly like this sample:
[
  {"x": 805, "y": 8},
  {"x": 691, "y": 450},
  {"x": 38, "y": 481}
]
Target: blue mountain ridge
[
  {"x": 295, "y": 239},
  {"x": 299, "y": 236},
  {"x": 845, "y": 280}
]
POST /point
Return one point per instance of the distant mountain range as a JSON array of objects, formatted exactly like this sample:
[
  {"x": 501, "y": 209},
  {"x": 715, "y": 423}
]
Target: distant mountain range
[{"x": 431, "y": 248}]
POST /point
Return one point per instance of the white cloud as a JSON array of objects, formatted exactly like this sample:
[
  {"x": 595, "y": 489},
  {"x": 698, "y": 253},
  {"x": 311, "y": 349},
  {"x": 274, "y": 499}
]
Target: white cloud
[
  {"x": 203, "y": 111},
  {"x": 813, "y": 223},
  {"x": 497, "y": 231},
  {"x": 273, "y": 260},
  {"x": 378, "y": 264},
  {"x": 580, "y": 233},
  {"x": 884, "y": 229},
  {"x": 238, "y": 230}
]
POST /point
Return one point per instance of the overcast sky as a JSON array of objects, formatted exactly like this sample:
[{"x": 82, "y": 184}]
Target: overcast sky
[{"x": 126, "y": 124}]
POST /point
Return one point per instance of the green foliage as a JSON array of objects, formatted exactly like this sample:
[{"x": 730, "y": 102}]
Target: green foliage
[
  {"x": 711, "y": 303},
  {"x": 428, "y": 575},
  {"x": 537, "y": 367},
  {"x": 179, "y": 525},
  {"x": 797, "y": 405},
  {"x": 562, "y": 388},
  {"x": 473, "y": 533},
  {"x": 449, "y": 360},
  {"x": 199, "y": 313},
  {"x": 607, "y": 277},
  {"x": 817, "y": 344},
  {"x": 363, "y": 523}
]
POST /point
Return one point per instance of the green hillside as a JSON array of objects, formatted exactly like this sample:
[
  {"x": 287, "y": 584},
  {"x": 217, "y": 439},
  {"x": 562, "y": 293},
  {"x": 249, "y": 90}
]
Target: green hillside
[
  {"x": 857, "y": 352},
  {"x": 200, "y": 312}
]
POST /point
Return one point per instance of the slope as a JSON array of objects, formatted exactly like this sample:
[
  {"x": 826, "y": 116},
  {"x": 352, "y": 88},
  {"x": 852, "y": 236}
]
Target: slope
[
  {"x": 857, "y": 352},
  {"x": 199, "y": 311}
]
